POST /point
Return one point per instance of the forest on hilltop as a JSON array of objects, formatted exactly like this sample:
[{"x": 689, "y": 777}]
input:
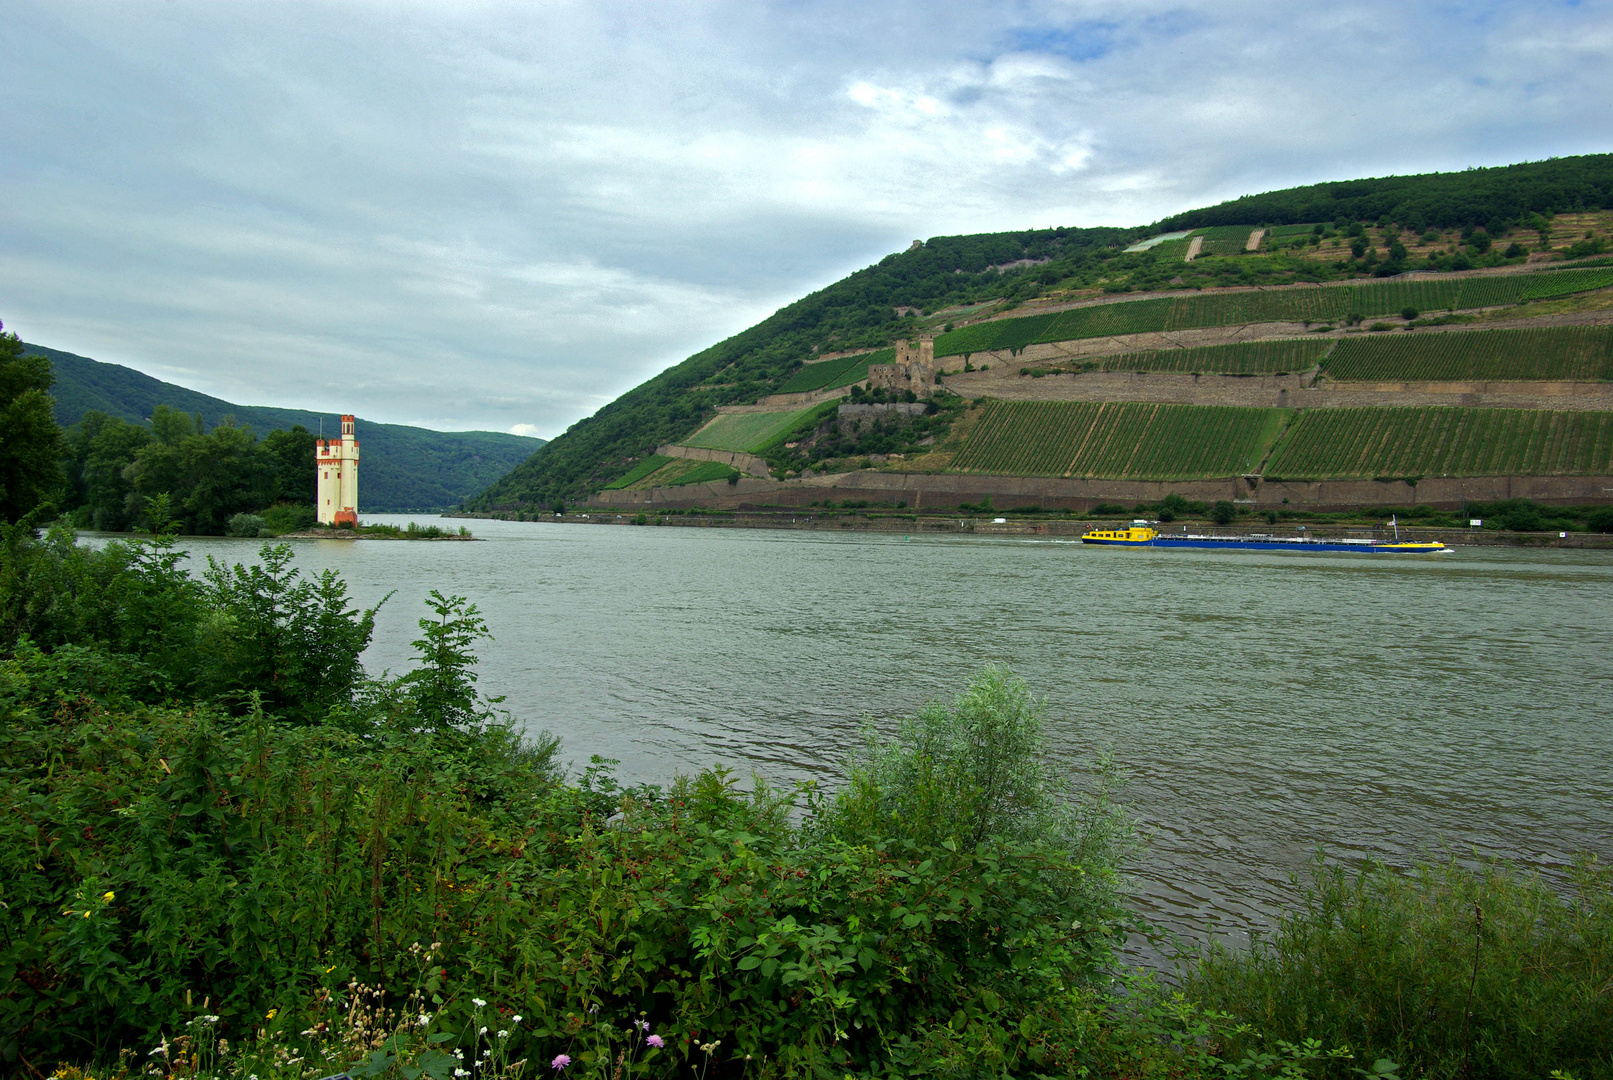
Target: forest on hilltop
[
  {"x": 1494, "y": 199},
  {"x": 920, "y": 289}
]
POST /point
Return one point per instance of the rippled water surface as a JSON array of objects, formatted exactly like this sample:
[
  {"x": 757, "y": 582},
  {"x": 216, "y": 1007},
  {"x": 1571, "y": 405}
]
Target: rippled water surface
[{"x": 1264, "y": 704}]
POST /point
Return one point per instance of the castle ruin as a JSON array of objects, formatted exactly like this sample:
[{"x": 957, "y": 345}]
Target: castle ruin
[{"x": 913, "y": 369}]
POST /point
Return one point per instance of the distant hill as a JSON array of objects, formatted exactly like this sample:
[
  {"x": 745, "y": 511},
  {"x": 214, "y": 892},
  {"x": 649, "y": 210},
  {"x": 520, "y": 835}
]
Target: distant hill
[
  {"x": 404, "y": 468},
  {"x": 1476, "y": 220}
]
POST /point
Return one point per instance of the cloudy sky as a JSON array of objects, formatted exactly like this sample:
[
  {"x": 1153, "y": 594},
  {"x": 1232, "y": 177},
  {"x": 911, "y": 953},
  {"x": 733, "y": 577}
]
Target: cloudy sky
[{"x": 502, "y": 215}]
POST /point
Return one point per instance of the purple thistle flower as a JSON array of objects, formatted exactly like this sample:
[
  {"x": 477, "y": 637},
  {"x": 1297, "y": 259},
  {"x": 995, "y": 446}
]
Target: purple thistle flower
[
  {"x": 561, "y": 1061},
  {"x": 655, "y": 1041}
]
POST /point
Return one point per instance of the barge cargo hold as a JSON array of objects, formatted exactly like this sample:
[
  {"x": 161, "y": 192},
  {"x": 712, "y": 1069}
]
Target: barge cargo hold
[{"x": 1141, "y": 534}]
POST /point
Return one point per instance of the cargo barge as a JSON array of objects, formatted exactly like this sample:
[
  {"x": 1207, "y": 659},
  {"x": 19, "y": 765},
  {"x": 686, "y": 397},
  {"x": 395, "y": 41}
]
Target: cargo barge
[{"x": 1143, "y": 534}]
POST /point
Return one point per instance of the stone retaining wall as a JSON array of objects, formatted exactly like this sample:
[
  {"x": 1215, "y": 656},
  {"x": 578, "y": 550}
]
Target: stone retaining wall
[
  {"x": 746, "y": 463},
  {"x": 921, "y": 491}
]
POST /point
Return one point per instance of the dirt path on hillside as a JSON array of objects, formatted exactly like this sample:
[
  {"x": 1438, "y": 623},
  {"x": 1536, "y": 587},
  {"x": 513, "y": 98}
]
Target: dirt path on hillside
[{"x": 1193, "y": 248}]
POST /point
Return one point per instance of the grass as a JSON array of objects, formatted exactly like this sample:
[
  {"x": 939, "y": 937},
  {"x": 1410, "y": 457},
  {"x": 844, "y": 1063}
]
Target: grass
[
  {"x": 639, "y": 472},
  {"x": 1440, "y": 441},
  {"x": 1446, "y": 971},
  {"x": 841, "y": 371},
  {"x": 1580, "y": 353},
  {"x": 704, "y": 472},
  {"x": 1327, "y": 303},
  {"x": 1121, "y": 441},
  {"x": 745, "y": 432}
]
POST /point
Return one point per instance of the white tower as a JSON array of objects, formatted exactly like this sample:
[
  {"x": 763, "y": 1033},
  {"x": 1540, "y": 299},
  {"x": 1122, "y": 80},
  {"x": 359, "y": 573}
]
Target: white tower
[{"x": 337, "y": 463}]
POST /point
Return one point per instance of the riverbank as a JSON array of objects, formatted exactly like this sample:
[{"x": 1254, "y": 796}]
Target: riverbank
[{"x": 896, "y": 521}]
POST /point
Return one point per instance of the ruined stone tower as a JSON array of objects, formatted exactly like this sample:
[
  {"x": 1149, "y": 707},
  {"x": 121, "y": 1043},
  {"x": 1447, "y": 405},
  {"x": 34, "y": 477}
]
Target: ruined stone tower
[
  {"x": 337, "y": 466},
  {"x": 913, "y": 369}
]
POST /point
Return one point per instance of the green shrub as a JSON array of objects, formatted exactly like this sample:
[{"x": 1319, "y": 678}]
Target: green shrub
[
  {"x": 1223, "y": 512},
  {"x": 245, "y": 525},
  {"x": 1601, "y": 520},
  {"x": 1448, "y": 971},
  {"x": 978, "y": 772},
  {"x": 289, "y": 517}
]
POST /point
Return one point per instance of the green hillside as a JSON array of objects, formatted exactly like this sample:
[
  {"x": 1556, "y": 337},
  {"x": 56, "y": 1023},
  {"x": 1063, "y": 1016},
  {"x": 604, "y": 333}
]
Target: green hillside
[
  {"x": 947, "y": 285},
  {"x": 1330, "y": 303},
  {"x": 404, "y": 468}
]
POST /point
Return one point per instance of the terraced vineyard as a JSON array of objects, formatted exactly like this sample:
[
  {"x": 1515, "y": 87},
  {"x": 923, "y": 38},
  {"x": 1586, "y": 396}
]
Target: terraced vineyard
[
  {"x": 745, "y": 432},
  {"x": 841, "y": 371},
  {"x": 1568, "y": 282},
  {"x": 1572, "y": 353},
  {"x": 1324, "y": 304},
  {"x": 1443, "y": 442},
  {"x": 675, "y": 472},
  {"x": 1285, "y": 231},
  {"x": 703, "y": 472},
  {"x": 1224, "y": 239},
  {"x": 639, "y": 471},
  {"x": 1128, "y": 440},
  {"x": 1243, "y": 358}
]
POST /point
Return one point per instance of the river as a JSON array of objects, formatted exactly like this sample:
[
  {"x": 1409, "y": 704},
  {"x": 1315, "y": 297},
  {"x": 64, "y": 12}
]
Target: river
[{"x": 1265, "y": 706}]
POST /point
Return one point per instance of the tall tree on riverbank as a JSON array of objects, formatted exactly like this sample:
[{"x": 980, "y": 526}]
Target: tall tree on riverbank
[{"x": 30, "y": 441}]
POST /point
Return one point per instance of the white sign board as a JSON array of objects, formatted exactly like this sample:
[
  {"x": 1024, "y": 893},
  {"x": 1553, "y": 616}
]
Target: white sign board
[{"x": 1475, "y": 522}]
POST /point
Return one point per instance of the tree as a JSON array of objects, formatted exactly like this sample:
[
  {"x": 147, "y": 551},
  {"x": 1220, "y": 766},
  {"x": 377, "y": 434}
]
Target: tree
[
  {"x": 30, "y": 442},
  {"x": 101, "y": 449},
  {"x": 291, "y": 457},
  {"x": 1223, "y": 512}
]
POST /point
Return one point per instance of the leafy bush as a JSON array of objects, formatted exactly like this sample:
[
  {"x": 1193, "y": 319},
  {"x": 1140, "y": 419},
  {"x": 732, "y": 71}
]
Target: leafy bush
[
  {"x": 1223, "y": 512},
  {"x": 978, "y": 771},
  {"x": 1601, "y": 520},
  {"x": 245, "y": 525},
  {"x": 289, "y": 517},
  {"x": 1448, "y": 971}
]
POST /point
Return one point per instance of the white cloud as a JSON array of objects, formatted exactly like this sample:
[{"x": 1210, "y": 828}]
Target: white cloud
[{"x": 503, "y": 215}]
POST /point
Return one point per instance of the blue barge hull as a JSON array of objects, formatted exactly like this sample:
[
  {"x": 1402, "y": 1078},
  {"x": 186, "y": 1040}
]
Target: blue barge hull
[{"x": 1368, "y": 547}]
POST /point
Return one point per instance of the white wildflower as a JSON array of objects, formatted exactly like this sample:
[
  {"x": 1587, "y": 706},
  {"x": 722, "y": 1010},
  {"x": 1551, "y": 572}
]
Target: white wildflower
[
  {"x": 516, "y": 1019},
  {"x": 504, "y": 1034},
  {"x": 479, "y": 1003},
  {"x": 483, "y": 1031},
  {"x": 425, "y": 1018}
]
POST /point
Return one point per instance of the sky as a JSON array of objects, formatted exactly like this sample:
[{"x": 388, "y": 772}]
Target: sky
[{"x": 501, "y": 216}]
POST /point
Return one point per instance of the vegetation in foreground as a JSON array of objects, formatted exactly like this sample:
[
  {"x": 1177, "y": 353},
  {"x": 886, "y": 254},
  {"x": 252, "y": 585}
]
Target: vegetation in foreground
[{"x": 226, "y": 851}]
